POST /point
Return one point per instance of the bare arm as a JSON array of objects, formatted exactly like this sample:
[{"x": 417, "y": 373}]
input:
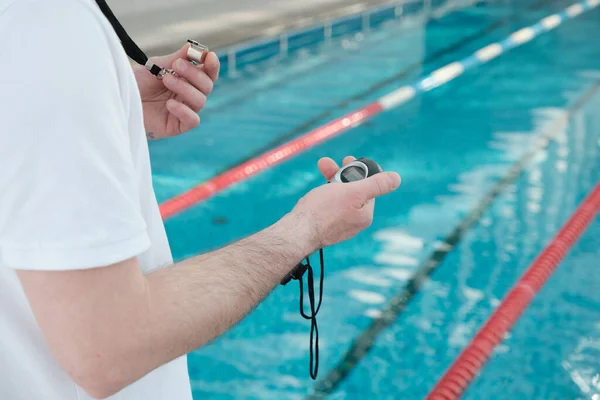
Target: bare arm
[{"x": 110, "y": 326}]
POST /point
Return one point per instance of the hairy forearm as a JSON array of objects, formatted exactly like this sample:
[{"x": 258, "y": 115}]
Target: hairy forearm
[
  {"x": 189, "y": 304},
  {"x": 203, "y": 296}
]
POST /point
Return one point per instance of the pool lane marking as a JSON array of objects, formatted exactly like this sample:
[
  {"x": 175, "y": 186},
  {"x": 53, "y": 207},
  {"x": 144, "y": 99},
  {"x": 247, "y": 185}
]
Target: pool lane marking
[
  {"x": 397, "y": 304},
  {"x": 469, "y": 363},
  {"x": 398, "y": 97},
  {"x": 453, "y": 47}
]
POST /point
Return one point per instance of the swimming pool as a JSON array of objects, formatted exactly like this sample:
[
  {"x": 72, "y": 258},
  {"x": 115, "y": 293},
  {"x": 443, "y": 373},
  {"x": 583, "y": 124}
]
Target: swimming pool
[{"x": 451, "y": 146}]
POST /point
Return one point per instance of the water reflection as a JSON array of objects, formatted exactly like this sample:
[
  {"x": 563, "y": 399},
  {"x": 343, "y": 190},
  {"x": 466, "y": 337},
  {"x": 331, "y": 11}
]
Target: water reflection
[{"x": 490, "y": 258}]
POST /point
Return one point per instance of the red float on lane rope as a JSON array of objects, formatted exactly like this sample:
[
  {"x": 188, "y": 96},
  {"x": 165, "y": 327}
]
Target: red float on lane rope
[
  {"x": 279, "y": 154},
  {"x": 466, "y": 367}
]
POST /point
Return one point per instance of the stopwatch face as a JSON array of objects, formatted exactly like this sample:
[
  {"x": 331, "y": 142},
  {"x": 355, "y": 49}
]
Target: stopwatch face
[{"x": 353, "y": 173}]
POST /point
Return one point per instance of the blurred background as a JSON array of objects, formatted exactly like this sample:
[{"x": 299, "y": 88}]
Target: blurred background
[
  {"x": 160, "y": 26},
  {"x": 496, "y": 153}
]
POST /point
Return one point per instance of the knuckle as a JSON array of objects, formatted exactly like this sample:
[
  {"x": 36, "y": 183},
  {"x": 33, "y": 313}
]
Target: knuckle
[
  {"x": 356, "y": 200},
  {"x": 380, "y": 186},
  {"x": 202, "y": 81}
]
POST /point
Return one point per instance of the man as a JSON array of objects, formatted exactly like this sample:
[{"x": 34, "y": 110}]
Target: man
[{"x": 91, "y": 304}]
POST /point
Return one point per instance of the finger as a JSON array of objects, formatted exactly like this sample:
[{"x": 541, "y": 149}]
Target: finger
[
  {"x": 328, "y": 167},
  {"x": 194, "y": 75},
  {"x": 347, "y": 160},
  {"x": 167, "y": 60},
  {"x": 188, "y": 119},
  {"x": 212, "y": 66},
  {"x": 182, "y": 52},
  {"x": 377, "y": 185},
  {"x": 191, "y": 96}
]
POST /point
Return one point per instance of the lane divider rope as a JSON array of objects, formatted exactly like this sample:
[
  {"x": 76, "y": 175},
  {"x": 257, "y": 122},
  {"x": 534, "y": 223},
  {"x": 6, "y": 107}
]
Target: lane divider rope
[
  {"x": 398, "y": 97},
  {"x": 472, "y": 359},
  {"x": 399, "y": 303}
]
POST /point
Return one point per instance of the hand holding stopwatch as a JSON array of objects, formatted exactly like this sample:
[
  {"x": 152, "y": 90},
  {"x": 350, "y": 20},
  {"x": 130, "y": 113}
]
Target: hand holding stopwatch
[{"x": 361, "y": 168}]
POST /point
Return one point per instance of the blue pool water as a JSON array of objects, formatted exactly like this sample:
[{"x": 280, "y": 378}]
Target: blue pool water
[{"x": 451, "y": 146}]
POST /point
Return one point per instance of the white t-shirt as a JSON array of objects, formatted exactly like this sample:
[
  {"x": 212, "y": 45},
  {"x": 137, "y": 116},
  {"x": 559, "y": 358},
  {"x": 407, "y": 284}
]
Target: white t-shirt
[{"x": 75, "y": 181}]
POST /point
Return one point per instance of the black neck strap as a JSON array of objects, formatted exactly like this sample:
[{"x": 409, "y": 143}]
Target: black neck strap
[{"x": 132, "y": 49}]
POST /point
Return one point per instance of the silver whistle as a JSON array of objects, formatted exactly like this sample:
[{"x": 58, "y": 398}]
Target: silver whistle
[{"x": 197, "y": 52}]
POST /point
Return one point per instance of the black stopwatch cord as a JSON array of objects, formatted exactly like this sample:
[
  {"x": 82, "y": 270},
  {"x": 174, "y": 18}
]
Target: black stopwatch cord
[
  {"x": 132, "y": 49},
  {"x": 314, "y": 330}
]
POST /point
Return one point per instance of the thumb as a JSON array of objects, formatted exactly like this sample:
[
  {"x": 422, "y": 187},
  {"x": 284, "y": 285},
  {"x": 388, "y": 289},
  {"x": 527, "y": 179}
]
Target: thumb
[
  {"x": 167, "y": 61},
  {"x": 181, "y": 53},
  {"x": 378, "y": 185}
]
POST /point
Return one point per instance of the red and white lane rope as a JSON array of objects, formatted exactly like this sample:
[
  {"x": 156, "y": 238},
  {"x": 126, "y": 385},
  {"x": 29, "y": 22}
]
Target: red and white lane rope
[
  {"x": 466, "y": 367},
  {"x": 394, "y": 99}
]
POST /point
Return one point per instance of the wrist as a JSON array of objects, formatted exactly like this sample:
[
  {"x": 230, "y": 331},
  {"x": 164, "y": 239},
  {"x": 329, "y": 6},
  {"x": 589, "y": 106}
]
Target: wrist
[{"x": 301, "y": 230}]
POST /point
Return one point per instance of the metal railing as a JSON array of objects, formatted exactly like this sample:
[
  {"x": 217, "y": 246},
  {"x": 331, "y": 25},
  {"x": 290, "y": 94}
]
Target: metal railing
[{"x": 360, "y": 21}]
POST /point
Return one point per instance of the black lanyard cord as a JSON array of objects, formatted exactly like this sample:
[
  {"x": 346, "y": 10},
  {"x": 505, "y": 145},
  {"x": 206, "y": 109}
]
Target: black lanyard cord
[
  {"x": 132, "y": 49},
  {"x": 311, "y": 289},
  {"x": 314, "y": 330}
]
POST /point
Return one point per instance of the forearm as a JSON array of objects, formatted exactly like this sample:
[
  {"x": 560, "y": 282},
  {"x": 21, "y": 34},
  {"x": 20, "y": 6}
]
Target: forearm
[
  {"x": 189, "y": 304},
  {"x": 200, "y": 298}
]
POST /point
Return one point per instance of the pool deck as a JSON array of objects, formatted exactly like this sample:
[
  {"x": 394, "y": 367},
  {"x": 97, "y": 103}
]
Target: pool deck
[{"x": 219, "y": 24}]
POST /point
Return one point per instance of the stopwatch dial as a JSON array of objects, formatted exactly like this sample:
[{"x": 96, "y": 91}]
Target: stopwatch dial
[{"x": 352, "y": 174}]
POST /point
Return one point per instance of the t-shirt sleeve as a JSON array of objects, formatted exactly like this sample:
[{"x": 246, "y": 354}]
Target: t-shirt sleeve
[{"x": 69, "y": 194}]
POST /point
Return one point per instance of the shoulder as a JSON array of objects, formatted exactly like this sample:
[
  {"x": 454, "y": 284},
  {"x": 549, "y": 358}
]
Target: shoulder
[
  {"x": 69, "y": 18},
  {"x": 65, "y": 37},
  {"x": 60, "y": 53}
]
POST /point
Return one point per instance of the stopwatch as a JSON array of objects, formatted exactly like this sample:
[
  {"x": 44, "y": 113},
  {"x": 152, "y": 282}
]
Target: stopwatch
[{"x": 356, "y": 170}]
